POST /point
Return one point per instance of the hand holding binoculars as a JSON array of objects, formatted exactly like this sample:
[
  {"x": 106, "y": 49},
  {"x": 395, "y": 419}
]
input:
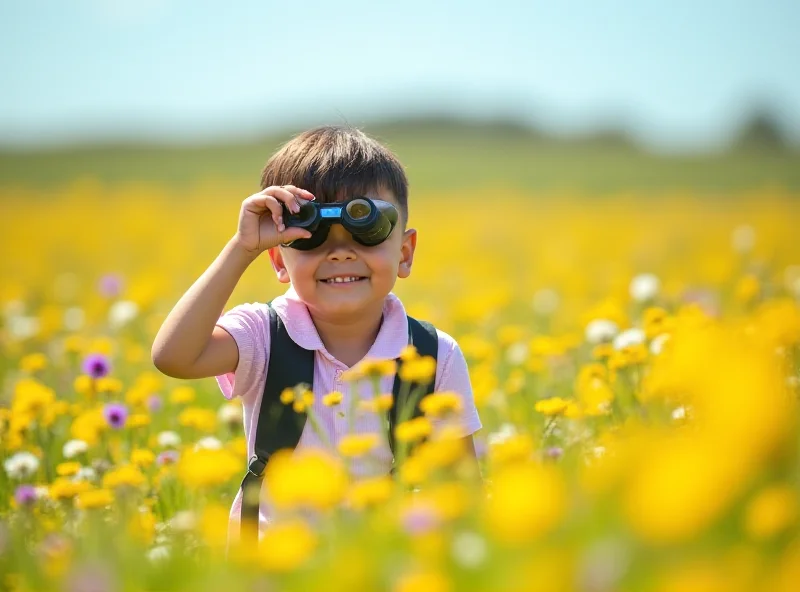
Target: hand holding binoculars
[{"x": 370, "y": 221}]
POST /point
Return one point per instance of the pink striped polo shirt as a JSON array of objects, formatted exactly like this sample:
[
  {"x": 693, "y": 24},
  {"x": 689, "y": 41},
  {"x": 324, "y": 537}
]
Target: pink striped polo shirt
[{"x": 248, "y": 324}]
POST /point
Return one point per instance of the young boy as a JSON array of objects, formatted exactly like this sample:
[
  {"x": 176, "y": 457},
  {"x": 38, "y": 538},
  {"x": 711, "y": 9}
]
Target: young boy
[{"x": 339, "y": 303}]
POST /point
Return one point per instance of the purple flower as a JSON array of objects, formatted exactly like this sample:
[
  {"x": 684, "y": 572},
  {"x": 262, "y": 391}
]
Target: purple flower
[
  {"x": 420, "y": 519},
  {"x": 25, "y": 495},
  {"x": 110, "y": 285},
  {"x": 90, "y": 578},
  {"x": 168, "y": 457},
  {"x": 154, "y": 403},
  {"x": 115, "y": 414},
  {"x": 554, "y": 452},
  {"x": 96, "y": 365}
]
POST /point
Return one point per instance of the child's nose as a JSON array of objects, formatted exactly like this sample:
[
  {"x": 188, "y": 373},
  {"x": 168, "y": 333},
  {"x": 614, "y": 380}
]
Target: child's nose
[{"x": 340, "y": 243}]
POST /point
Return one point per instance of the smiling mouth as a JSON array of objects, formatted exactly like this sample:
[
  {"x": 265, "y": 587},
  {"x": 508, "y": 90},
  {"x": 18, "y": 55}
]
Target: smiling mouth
[{"x": 343, "y": 280}]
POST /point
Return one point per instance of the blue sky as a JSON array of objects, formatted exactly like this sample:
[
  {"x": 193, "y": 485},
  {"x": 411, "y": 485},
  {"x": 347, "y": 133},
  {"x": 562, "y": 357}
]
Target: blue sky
[{"x": 676, "y": 74}]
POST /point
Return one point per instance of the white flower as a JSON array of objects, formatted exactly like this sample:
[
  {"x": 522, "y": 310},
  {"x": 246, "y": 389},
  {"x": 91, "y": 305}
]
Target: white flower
[
  {"x": 601, "y": 330},
  {"x": 504, "y": 433},
  {"x": 657, "y": 345},
  {"x": 13, "y": 308},
  {"x": 122, "y": 312},
  {"x": 792, "y": 280},
  {"x": 23, "y": 327},
  {"x": 230, "y": 413},
  {"x": 629, "y": 337},
  {"x": 679, "y": 413},
  {"x": 545, "y": 301},
  {"x": 208, "y": 443},
  {"x": 159, "y": 553},
  {"x": 183, "y": 521},
  {"x": 73, "y": 448},
  {"x": 42, "y": 492},
  {"x": 644, "y": 287},
  {"x": 517, "y": 353},
  {"x": 74, "y": 318},
  {"x": 469, "y": 549},
  {"x": 743, "y": 238},
  {"x": 21, "y": 465},
  {"x": 169, "y": 439},
  {"x": 85, "y": 474}
]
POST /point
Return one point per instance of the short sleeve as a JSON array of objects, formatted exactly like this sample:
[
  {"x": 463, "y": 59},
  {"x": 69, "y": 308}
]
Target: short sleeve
[
  {"x": 452, "y": 375},
  {"x": 248, "y": 324}
]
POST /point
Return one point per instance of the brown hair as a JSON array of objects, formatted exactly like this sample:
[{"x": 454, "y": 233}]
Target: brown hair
[{"x": 336, "y": 163}]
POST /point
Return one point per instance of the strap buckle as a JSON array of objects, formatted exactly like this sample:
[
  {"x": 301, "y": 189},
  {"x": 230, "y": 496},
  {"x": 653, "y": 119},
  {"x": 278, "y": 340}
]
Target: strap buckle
[{"x": 256, "y": 466}]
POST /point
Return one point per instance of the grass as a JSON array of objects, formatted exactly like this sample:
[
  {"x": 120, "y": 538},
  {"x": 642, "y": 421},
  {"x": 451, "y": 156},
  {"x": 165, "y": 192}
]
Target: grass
[{"x": 437, "y": 156}]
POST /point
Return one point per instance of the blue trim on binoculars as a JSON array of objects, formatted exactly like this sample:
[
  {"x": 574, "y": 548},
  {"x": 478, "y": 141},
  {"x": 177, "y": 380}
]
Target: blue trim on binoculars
[{"x": 330, "y": 212}]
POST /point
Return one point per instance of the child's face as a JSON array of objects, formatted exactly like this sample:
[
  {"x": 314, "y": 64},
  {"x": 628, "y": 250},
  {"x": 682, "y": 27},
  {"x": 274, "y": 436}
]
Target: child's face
[{"x": 378, "y": 268}]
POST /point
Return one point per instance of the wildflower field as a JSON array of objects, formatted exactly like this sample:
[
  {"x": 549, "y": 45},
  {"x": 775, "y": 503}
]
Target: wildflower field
[{"x": 635, "y": 360}]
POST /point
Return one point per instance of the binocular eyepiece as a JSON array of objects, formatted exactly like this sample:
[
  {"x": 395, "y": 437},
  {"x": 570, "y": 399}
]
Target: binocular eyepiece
[{"x": 370, "y": 221}]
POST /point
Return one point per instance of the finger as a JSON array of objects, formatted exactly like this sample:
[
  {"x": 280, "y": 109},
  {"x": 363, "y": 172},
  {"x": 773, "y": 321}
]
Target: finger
[
  {"x": 292, "y": 200},
  {"x": 285, "y": 196},
  {"x": 301, "y": 193},
  {"x": 293, "y": 233},
  {"x": 260, "y": 204}
]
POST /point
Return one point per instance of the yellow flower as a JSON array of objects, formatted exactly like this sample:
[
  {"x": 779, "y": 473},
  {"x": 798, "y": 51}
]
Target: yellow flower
[
  {"x": 68, "y": 469},
  {"x": 207, "y": 467},
  {"x": 528, "y": 500},
  {"x": 370, "y": 492},
  {"x": 124, "y": 476},
  {"x": 74, "y": 344},
  {"x": 408, "y": 353},
  {"x": 306, "y": 478},
  {"x": 551, "y": 406},
  {"x": 287, "y": 396},
  {"x": 747, "y": 289},
  {"x": 332, "y": 398},
  {"x": 421, "y": 369},
  {"x": 83, "y": 384},
  {"x": 370, "y": 368},
  {"x": 602, "y": 351},
  {"x": 441, "y": 404},
  {"x": 108, "y": 384},
  {"x": 423, "y": 581},
  {"x": 142, "y": 526},
  {"x": 138, "y": 420},
  {"x": 414, "y": 430},
  {"x": 655, "y": 321},
  {"x": 199, "y": 418},
  {"x": 33, "y": 363},
  {"x": 95, "y": 498},
  {"x": 771, "y": 512},
  {"x": 63, "y": 488},
  {"x": 513, "y": 449},
  {"x": 214, "y": 525},
  {"x": 286, "y": 546},
  {"x": 357, "y": 444},
  {"x": 181, "y": 395},
  {"x": 142, "y": 457},
  {"x": 303, "y": 402},
  {"x": 88, "y": 425}
]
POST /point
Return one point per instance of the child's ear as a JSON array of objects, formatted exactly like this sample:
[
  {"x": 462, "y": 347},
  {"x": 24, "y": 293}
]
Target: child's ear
[
  {"x": 276, "y": 257},
  {"x": 407, "y": 253}
]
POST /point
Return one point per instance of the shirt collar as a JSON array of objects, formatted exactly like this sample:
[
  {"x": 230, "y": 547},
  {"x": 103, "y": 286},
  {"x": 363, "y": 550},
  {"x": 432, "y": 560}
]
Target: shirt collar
[{"x": 392, "y": 335}]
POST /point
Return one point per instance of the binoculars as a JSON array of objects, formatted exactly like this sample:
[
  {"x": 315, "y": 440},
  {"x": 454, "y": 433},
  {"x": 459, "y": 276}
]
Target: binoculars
[{"x": 370, "y": 221}]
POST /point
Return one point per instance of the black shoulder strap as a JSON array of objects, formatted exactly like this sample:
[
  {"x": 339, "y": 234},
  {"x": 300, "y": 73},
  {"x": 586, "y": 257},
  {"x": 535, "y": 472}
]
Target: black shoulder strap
[
  {"x": 279, "y": 426},
  {"x": 422, "y": 335}
]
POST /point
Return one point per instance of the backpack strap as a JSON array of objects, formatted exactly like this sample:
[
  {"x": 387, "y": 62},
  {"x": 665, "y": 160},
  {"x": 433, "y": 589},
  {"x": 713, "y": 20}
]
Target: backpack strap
[
  {"x": 423, "y": 336},
  {"x": 279, "y": 426}
]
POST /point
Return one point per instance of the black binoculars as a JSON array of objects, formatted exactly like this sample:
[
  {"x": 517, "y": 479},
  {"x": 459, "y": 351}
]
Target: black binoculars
[{"x": 370, "y": 221}]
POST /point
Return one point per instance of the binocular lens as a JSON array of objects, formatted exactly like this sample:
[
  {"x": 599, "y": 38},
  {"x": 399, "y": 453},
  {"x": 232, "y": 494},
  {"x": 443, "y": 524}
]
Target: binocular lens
[{"x": 358, "y": 209}]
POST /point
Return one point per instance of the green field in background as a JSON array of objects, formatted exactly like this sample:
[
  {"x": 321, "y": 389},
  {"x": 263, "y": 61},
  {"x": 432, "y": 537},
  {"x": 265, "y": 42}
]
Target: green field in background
[{"x": 436, "y": 157}]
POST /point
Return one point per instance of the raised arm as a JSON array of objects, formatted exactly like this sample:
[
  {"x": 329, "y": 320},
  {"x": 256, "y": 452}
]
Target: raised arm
[{"x": 189, "y": 344}]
